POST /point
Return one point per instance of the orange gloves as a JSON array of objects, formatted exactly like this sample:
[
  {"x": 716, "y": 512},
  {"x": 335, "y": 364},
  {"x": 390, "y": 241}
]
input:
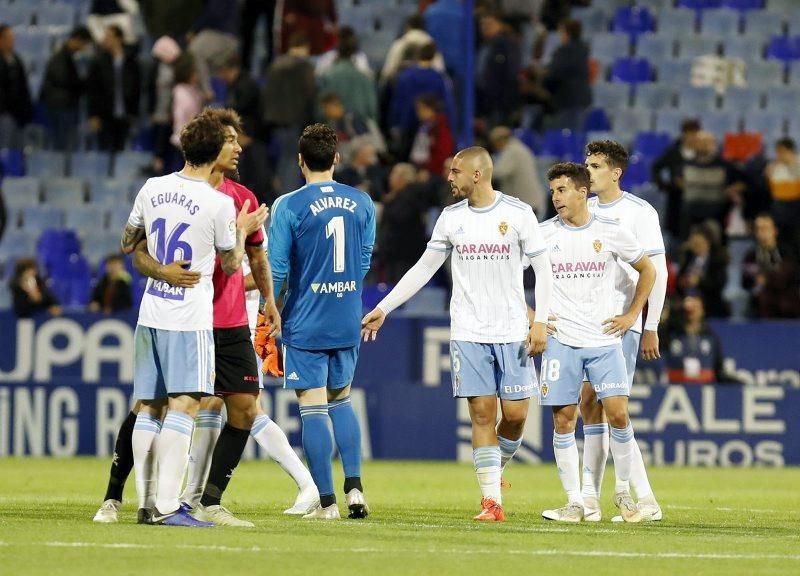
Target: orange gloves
[{"x": 267, "y": 349}]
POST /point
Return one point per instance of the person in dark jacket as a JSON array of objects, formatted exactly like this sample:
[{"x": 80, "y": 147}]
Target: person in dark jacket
[
  {"x": 703, "y": 268},
  {"x": 497, "y": 66},
  {"x": 243, "y": 95},
  {"x": 113, "y": 91},
  {"x": 567, "y": 77},
  {"x": 16, "y": 109},
  {"x": 63, "y": 87},
  {"x": 29, "y": 292},
  {"x": 113, "y": 291}
]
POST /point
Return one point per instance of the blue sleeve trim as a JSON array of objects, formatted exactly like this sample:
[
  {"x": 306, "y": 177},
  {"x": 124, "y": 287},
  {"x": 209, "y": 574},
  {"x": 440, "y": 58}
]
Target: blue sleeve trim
[
  {"x": 654, "y": 252},
  {"x": 535, "y": 254}
]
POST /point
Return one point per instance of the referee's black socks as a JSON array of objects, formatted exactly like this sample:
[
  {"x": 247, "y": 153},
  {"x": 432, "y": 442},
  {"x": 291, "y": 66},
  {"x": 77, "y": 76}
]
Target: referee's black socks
[{"x": 224, "y": 461}]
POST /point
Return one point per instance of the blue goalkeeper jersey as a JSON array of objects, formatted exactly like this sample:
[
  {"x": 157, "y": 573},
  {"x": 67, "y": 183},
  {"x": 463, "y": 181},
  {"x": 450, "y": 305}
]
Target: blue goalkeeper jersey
[{"x": 320, "y": 243}]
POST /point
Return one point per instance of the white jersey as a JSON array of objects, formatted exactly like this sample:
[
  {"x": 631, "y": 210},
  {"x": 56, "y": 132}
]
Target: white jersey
[
  {"x": 490, "y": 247},
  {"x": 183, "y": 219},
  {"x": 640, "y": 218},
  {"x": 584, "y": 261}
]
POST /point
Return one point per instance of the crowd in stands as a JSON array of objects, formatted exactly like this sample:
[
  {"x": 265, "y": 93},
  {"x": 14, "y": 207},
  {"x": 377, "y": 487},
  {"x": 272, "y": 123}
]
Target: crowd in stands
[{"x": 94, "y": 92}]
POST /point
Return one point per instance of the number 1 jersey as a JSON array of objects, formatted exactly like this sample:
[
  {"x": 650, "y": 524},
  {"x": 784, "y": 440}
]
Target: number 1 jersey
[
  {"x": 320, "y": 243},
  {"x": 183, "y": 219}
]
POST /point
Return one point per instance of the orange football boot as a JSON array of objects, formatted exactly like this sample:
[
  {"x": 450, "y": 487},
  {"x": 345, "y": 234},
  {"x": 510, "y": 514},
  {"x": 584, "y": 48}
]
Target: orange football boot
[{"x": 491, "y": 511}]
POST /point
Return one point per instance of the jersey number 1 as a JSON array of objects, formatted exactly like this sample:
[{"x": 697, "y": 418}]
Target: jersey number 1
[
  {"x": 167, "y": 247},
  {"x": 335, "y": 228}
]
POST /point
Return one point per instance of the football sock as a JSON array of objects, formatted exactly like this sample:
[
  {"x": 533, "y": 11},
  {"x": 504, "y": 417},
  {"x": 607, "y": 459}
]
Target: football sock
[
  {"x": 622, "y": 443},
  {"x": 207, "y": 427},
  {"x": 318, "y": 446},
  {"x": 227, "y": 454},
  {"x": 487, "y": 468},
  {"x": 144, "y": 440},
  {"x": 595, "y": 454},
  {"x": 173, "y": 455},
  {"x": 347, "y": 434},
  {"x": 272, "y": 439},
  {"x": 507, "y": 449},
  {"x": 566, "y": 451},
  {"x": 638, "y": 478},
  {"x": 122, "y": 462}
]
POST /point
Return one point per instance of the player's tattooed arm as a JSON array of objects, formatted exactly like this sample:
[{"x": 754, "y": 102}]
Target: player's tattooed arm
[
  {"x": 262, "y": 276},
  {"x": 175, "y": 273},
  {"x": 231, "y": 260},
  {"x": 130, "y": 238}
]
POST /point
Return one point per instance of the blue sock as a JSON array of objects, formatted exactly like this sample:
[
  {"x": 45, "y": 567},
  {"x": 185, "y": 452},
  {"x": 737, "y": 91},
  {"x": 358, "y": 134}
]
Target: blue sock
[
  {"x": 507, "y": 449},
  {"x": 318, "y": 446},
  {"x": 347, "y": 433}
]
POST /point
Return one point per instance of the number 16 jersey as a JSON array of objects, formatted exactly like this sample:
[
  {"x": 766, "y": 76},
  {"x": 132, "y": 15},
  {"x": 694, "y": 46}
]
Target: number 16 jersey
[{"x": 183, "y": 219}]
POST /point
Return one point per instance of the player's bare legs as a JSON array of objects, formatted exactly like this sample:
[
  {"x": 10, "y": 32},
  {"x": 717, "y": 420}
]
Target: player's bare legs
[
  {"x": 622, "y": 447},
  {"x": 318, "y": 447},
  {"x": 595, "y": 451},
  {"x": 566, "y": 453},
  {"x": 486, "y": 455},
  {"x": 509, "y": 431}
]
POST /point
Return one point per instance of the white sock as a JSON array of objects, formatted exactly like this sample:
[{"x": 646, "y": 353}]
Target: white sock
[
  {"x": 272, "y": 439},
  {"x": 144, "y": 441},
  {"x": 207, "y": 427},
  {"x": 595, "y": 454},
  {"x": 622, "y": 448},
  {"x": 173, "y": 456},
  {"x": 566, "y": 452},
  {"x": 638, "y": 478},
  {"x": 507, "y": 449},
  {"x": 487, "y": 467}
]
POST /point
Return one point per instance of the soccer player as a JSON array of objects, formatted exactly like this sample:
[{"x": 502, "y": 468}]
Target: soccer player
[
  {"x": 492, "y": 238},
  {"x": 585, "y": 249},
  {"x": 320, "y": 243},
  {"x": 181, "y": 216},
  {"x": 607, "y": 161}
]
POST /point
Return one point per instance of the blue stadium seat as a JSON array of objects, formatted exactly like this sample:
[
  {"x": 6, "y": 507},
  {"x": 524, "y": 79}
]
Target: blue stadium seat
[
  {"x": 742, "y": 99},
  {"x": 679, "y": 22},
  {"x": 608, "y": 46},
  {"x": 564, "y": 144},
  {"x": 631, "y": 120},
  {"x": 592, "y": 19},
  {"x": 12, "y": 162},
  {"x": 637, "y": 172},
  {"x": 654, "y": 47},
  {"x": 745, "y": 47},
  {"x": 763, "y": 23},
  {"x": 784, "y": 48},
  {"x": 607, "y": 95},
  {"x": 794, "y": 127},
  {"x": 41, "y": 217},
  {"x": 633, "y": 20},
  {"x": 719, "y": 23},
  {"x": 764, "y": 74},
  {"x": 71, "y": 280},
  {"x": 90, "y": 164},
  {"x": 651, "y": 144},
  {"x": 697, "y": 98},
  {"x": 109, "y": 191},
  {"x": 676, "y": 72},
  {"x": 85, "y": 218},
  {"x": 129, "y": 164},
  {"x": 631, "y": 70},
  {"x": 793, "y": 20},
  {"x": 699, "y": 4},
  {"x": 22, "y": 192},
  {"x": 55, "y": 14},
  {"x": 770, "y": 123},
  {"x": 783, "y": 97},
  {"x": 794, "y": 73},
  {"x": 118, "y": 217},
  {"x": 654, "y": 96},
  {"x": 696, "y": 45},
  {"x": 596, "y": 120},
  {"x": 17, "y": 244},
  {"x": 64, "y": 192},
  {"x": 743, "y": 5},
  {"x": 669, "y": 121},
  {"x": 46, "y": 164},
  {"x": 719, "y": 122}
]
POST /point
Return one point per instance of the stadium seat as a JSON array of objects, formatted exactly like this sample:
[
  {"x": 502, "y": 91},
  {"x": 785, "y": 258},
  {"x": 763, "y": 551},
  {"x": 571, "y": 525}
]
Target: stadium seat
[
  {"x": 742, "y": 146},
  {"x": 596, "y": 120},
  {"x": 771, "y": 123},
  {"x": 41, "y": 217},
  {"x": 784, "y": 48},
  {"x": 85, "y": 218},
  {"x": 670, "y": 121},
  {"x": 719, "y": 23},
  {"x": 90, "y": 165},
  {"x": 720, "y": 122},
  {"x": 780, "y": 5},
  {"x": 607, "y": 95},
  {"x": 697, "y": 98},
  {"x": 631, "y": 120},
  {"x": 654, "y": 47},
  {"x": 64, "y": 192},
  {"x": 678, "y": 22},
  {"x": 118, "y": 217},
  {"x": 608, "y": 46},
  {"x": 793, "y": 127},
  {"x": 129, "y": 164},
  {"x": 18, "y": 14},
  {"x": 631, "y": 70},
  {"x": 699, "y": 4},
  {"x": 55, "y": 14},
  {"x": 676, "y": 72},
  {"x": 33, "y": 42},
  {"x": 592, "y": 19},
  {"x": 696, "y": 45},
  {"x": 22, "y": 192},
  {"x": 654, "y": 96},
  {"x": 745, "y": 47},
  {"x": 651, "y": 144},
  {"x": 109, "y": 191},
  {"x": 794, "y": 74},
  {"x": 655, "y": 6},
  {"x": 564, "y": 144},
  {"x": 46, "y": 164},
  {"x": 637, "y": 172},
  {"x": 71, "y": 280},
  {"x": 793, "y": 20},
  {"x": 766, "y": 74},
  {"x": 17, "y": 244},
  {"x": 763, "y": 24},
  {"x": 633, "y": 20},
  {"x": 741, "y": 99},
  {"x": 12, "y": 163},
  {"x": 783, "y": 97},
  {"x": 743, "y": 5}
]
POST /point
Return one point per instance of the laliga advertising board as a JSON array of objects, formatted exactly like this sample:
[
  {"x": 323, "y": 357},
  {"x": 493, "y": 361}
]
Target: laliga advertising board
[{"x": 65, "y": 387}]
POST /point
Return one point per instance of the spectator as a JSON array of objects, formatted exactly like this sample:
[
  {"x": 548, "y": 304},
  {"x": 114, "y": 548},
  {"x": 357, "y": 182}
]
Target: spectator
[
  {"x": 515, "y": 170},
  {"x": 243, "y": 95},
  {"x": 289, "y": 97},
  {"x": 63, "y": 87},
  {"x": 119, "y": 13},
  {"x": 667, "y": 171},
  {"x": 703, "y": 268},
  {"x": 174, "y": 18},
  {"x": 113, "y": 91},
  {"x": 444, "y": 21},
  {"x": 567, "y": 77},
  {"x": 187, "y": 97},
  {"x": 345, "y": 36},
  {"x": 113, "y": 292},
  {"x": 770, "y": 273},
  {"x": 354, "y": 88},
  {"x": 348, "y": 126},
  {"x": 254, "y": 171},
  {"x": 405, "y": 48},
  {"x": 363, "y": 171},
  {"x": 315, "y": 19},
  {"x": 783, "y": 176},
  {"x": 433, "y": 142},
  {"x": 497, "y": 67},
  {"x": 29, "y": 292},
  {"x": 166, "y": 51},
  {"x": 401, "y": 234},
  {"x": 213, "y": 40},
  {"x": 711, "y": 186},
  {"x": 16, "y": 109},
  {"x": 252, "y": 10}
]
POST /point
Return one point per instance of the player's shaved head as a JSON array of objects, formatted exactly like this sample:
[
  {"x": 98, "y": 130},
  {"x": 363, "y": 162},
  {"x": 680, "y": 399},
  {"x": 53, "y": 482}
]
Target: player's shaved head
[{"x": 476, "y": 158}]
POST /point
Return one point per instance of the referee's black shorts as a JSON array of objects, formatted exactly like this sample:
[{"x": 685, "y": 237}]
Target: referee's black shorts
[{"x": 237, "y": 371}]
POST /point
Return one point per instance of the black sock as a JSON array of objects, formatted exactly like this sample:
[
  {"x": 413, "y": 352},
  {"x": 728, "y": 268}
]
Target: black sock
[
  {"x": 326, "y": 500},
  {"x": 122, "y": 464},
  {"x": 224, "y": 461},
  {"x": 350, "y": 483}
]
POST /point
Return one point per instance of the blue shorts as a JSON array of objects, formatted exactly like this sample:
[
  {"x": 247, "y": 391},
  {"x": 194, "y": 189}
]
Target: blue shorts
[
  {"x": 172, "y": 362},
  {"x": 503, "y": 370},
  {"x": 305, "y": 369},
  {"x": 563, "y": 368}
]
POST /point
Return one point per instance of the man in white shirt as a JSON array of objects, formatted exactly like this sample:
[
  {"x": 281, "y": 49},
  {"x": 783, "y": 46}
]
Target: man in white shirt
[
  {"x": 492, "y": 237},
  {"x": 585, "y": 250}
]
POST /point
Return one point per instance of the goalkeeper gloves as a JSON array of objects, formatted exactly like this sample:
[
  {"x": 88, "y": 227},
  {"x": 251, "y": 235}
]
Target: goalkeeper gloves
[{"x": 267, "y": 349}]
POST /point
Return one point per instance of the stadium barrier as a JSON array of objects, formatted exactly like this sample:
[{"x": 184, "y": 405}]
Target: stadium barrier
[{"x": 65, "y": 386}]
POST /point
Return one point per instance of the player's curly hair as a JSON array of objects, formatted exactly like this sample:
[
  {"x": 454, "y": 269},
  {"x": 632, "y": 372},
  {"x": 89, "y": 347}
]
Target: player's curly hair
[
  {"x": 228, "y": 117},
  {"x": 614, "y": 152},
  {"x": 202, "y": 139},
  {"x": 578, "y": 173},
  {"x": 318, "y": 147}
]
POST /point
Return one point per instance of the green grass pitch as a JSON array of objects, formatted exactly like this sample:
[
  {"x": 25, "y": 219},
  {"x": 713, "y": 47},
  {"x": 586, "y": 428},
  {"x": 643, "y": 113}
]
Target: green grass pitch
[{"x": 717, "y": 521}]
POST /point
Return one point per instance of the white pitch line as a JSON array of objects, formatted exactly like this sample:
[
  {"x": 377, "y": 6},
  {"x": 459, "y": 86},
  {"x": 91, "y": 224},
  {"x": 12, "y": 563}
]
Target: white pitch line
[
  {"x": 729, "y": 509},
  {"x": 455, "y": 551}
]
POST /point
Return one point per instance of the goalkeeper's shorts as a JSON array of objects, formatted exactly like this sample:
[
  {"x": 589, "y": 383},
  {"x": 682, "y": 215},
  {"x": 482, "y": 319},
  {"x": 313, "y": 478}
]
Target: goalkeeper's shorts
[{"x": 304, "y": 369}]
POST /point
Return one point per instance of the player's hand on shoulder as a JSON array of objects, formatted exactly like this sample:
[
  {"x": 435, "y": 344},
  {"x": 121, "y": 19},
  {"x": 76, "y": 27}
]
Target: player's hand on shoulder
[
  {"x": 371, "y": 323},
  {"x": 537, "y": 338},
  {"x": 618, "y": 325},
  {"x": 177, "y": 274},
  {"x": 251, "y": 221},
  {"x": 650, "y": 345}
]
